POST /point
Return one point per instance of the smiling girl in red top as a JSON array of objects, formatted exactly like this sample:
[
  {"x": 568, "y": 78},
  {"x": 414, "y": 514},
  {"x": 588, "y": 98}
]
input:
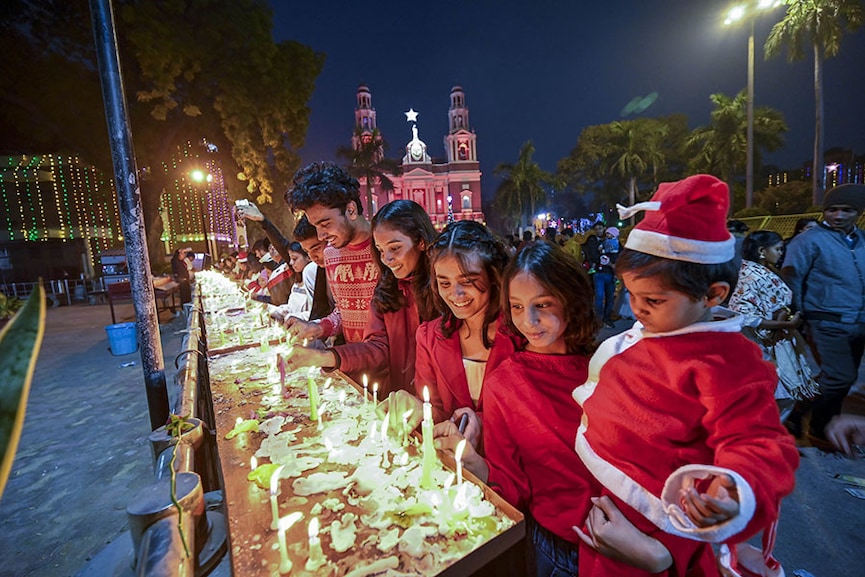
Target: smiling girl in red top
[
  {"x": 457, "y": 352},
  {"x": 402, "y": 233}
]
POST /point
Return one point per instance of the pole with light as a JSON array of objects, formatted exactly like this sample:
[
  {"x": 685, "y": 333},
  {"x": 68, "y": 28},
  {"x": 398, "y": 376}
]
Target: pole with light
[
  {"x": 200, "y": 176},
  {"x": 737, "y": 13}
]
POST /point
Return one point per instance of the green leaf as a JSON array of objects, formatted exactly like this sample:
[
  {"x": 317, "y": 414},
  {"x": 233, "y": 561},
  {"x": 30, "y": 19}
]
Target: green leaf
[{"x": 19, "y": 346}]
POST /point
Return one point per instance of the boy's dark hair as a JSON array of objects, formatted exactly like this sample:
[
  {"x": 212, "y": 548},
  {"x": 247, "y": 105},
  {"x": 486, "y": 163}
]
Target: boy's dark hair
[
  {"x": 737, "y": 226},
  {"x": 262, "y": 244},
  {"x": 560, "y": 273},
  {"x": 756, "y": 240},
  {"x": 323, "y": 183},
  {"x": 690, "y": 278},
  {"x": 411, "y": 219},
  {"x": 463, "y": 240},
  {"x": 304, "y": 230}
]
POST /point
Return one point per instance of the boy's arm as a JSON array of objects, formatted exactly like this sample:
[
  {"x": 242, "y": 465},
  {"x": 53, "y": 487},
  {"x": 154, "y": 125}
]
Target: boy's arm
[{"x": 749, "y": 443}]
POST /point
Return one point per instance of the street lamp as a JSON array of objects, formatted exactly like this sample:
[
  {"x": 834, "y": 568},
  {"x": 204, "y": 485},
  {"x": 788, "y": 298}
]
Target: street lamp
[
  {"x": 200, "y": 176},
  {"x": 736, "y": 14}
]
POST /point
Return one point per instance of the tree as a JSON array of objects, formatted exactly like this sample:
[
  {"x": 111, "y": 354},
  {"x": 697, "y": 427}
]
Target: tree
[
  {"x": 611, "y": 160},
  {"x": 638, "y": 144},
  {"x": 720, "y": 148},
  {"x": 368, "y": 164},
  {"x": 793, "y": 197},
  {"x": 521, "y": 192},
  {"x": 194, "y": 71},
  {"x": 822, "y": 23}
]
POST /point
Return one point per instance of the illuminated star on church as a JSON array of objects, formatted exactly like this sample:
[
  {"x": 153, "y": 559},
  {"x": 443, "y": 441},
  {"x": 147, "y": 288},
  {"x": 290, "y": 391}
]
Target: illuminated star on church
[{"x": 411, "y": 115}]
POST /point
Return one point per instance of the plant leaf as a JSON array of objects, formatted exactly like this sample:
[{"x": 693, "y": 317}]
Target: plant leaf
[{"x": 20, "y": 341}]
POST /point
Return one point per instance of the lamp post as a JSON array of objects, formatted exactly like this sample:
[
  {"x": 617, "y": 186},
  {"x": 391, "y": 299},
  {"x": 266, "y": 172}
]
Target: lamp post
[
  {"x": 200, "y": 176},
  {"x": 734, "y": 15}
]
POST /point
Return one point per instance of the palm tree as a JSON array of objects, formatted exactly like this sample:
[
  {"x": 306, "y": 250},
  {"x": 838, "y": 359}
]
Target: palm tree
[
  {"x": 721, "y": 147},
  {"x": 638, "y": 147},
  {"x": 521, "y": 192},
  {"x": 369, "y": 165},
  {"x": 822, "y": 23}
]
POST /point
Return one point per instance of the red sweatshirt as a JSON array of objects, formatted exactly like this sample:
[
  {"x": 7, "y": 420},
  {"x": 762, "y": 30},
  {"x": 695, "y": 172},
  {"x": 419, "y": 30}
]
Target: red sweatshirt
[{"x": 530, "y": 421}]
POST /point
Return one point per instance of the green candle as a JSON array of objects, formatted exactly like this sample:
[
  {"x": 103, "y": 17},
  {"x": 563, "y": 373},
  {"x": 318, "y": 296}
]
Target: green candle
[{"x": 313, "y": 395}]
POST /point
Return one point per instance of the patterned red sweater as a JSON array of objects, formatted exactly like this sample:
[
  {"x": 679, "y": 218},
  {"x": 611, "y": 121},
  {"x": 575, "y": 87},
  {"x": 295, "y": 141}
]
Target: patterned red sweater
[{"x": 352, "y": 276}]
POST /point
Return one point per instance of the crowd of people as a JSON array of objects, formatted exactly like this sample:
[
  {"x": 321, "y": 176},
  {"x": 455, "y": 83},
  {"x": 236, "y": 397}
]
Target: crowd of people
[{"x": 643, "y": 454}]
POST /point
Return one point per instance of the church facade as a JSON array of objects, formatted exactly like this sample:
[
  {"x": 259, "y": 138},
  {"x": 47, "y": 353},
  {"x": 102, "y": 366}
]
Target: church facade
[{"x": 448, "y": 188}]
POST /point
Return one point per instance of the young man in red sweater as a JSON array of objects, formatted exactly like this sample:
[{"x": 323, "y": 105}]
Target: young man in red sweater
[{"x": 330, "y": 197}]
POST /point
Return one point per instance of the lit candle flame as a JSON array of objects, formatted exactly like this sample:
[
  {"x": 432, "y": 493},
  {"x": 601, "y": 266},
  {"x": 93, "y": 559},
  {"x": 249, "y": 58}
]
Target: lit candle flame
[
  {"x": 425, "y": 394},
  {"x": 375, "y": 392},
  {"x": 253, "y": 463},
  {"x": 274, "y": 480},
  {"x": 461, "y": 446}
]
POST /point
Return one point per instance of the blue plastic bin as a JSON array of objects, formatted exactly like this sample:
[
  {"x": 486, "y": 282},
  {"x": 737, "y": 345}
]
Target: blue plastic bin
[{"x": 122, "y": 338}]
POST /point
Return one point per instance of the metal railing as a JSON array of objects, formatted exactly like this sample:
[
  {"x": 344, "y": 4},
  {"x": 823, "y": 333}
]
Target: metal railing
[
  {"x": 784, "y": 224},
  {"x": 58, "y": 291},
  {"x": 158, "y": 538}
]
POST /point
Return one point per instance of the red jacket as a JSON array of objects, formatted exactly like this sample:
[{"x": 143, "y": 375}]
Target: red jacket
[
  {"x": 439, "y": 366},
  {"x": 387, "y": 352},
  {"x": 530, "y": 424}
]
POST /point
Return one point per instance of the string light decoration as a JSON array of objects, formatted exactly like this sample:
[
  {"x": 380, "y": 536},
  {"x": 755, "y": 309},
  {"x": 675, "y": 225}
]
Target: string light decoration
[
  {"x": 60, "y": 197},
  {"x": 81, "y": 200}
]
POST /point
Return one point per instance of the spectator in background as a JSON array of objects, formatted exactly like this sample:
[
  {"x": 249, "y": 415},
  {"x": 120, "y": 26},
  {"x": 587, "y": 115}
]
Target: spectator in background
[
  {"x": 180, "y": 272},
  {"x": 261, "y": 250},
  {"x": 825, "y": 267},
  {"x": 803, "y": 224},
  {"x": 279, "y": 282},
  {"x": 592, "y": 247},
  {"x": 738, "y": 229}
]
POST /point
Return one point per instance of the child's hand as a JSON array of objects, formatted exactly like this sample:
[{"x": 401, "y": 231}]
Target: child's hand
[
  {"x": 719, "y": 503},
  {"x": 472, "y": 432},
  {"x": 611, "y": 534},
  {"x": 447, "y": 437}
]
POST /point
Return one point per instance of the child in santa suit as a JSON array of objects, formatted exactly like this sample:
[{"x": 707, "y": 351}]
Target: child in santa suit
[
  {"x": 679, "y": 425},
  {"x": 530, "y": 419}
]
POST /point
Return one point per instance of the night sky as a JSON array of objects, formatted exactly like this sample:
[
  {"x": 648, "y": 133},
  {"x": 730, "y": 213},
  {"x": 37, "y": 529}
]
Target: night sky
[{"x": 544, "y": 70}]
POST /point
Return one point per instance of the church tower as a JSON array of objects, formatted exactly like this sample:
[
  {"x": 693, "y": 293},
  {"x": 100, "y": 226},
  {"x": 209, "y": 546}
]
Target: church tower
[
  {"x": 460, "y": 143},
  {"x": 364, "y": 118}
]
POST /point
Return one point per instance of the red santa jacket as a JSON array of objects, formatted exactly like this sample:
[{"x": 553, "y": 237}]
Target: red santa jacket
[
  {"x": 662, "y": 411},
  {"x": 439, "y": 367}
]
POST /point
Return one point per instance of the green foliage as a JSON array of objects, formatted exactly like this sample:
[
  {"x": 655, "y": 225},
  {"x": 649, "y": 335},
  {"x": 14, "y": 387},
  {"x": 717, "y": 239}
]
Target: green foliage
[
  {"x": 819, "y": 24},
  {"x": 521, "y": 193},
  {"x": 20, "y": 341},
  {"x": 193, "y": 70},
  {"x": 750, "y": 212},
  {"x": 9, "y": 306},
  {"x": 611, "y": 160},
  {"x": 792, "y": 197},
  {"x": 720, "y": 148},
  {"x": 368, "y": 163}
]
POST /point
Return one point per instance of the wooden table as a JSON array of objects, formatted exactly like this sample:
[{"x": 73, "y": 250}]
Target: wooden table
[{"x": 253, "y": 547}]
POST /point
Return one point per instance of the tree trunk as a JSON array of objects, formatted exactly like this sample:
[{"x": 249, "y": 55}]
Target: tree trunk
[{"x": 817, "y": 172}]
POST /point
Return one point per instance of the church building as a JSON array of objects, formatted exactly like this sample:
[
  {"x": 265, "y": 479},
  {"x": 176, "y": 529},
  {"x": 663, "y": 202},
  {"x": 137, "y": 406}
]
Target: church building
[{"x": 449, "y": 188}]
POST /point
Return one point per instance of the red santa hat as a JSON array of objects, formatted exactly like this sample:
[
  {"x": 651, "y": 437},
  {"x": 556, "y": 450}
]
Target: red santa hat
[{"x": 685, "y": 220}]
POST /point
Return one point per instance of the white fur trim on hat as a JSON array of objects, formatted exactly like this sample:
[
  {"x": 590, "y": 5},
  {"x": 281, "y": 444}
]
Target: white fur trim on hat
[
  {"x": 686, "y": 249},
  {"x": 626, "y": 212}
]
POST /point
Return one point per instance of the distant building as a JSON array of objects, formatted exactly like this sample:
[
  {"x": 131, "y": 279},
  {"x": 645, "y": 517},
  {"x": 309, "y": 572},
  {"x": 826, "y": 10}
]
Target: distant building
[
  {"x": 841, "y": 167},
  {"x": 443, "y": 186},
  {"x": 57, "y": 213}
]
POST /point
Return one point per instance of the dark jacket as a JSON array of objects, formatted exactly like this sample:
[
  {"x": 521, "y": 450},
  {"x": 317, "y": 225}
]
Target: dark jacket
[{"x": 827, "y": 275}]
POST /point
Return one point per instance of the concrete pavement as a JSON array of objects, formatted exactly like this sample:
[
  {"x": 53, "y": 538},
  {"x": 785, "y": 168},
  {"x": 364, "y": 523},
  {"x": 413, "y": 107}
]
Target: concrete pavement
[
  {"x": 84, "y": 451},
  {"x": 84, "y": 454}
]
